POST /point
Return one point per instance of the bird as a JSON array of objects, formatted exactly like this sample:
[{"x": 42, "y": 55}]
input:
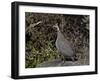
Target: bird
[{"x": 63, "y": 46}]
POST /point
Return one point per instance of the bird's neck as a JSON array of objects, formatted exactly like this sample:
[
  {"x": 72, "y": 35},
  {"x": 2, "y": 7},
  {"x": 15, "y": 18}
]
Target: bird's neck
[{"x": 60, "y": 35}]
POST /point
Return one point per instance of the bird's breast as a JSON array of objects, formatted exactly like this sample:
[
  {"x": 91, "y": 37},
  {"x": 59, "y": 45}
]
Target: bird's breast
[{"x": 63, "y": 46}]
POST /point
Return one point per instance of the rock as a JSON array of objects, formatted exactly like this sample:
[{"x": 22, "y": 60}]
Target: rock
[
  {"x": 58, "y": 63},
  {"x": 53, "y": 63}
]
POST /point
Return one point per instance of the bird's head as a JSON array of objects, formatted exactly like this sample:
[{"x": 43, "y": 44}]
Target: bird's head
[{"x": 56, "y": 26}]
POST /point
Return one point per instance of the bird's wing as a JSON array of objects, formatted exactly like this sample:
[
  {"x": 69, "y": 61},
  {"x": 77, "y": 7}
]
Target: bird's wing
[{"x": 64, "y": 48}]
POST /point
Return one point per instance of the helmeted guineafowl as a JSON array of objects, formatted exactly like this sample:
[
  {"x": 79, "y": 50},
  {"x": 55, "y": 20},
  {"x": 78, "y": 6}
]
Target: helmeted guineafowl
[{"x": 63, "y": 46}]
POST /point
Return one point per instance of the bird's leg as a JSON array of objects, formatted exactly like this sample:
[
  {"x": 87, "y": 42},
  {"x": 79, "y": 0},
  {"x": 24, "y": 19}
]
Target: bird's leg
[
  {"x": 63, "y": 59},
  {"x": 73, "y": 59}
]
